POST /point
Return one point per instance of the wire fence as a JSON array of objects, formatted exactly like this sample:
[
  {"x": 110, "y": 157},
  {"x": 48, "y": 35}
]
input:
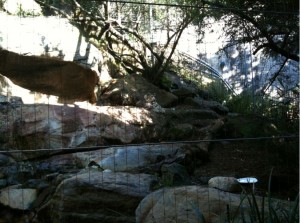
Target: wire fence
[
  {"x": 197, "y": 159},
  {"x": 60, "y": 186}
]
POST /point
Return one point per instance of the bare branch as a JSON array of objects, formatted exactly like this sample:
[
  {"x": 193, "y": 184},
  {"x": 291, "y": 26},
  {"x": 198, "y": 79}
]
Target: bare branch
[{"x": 272, "y": 79}]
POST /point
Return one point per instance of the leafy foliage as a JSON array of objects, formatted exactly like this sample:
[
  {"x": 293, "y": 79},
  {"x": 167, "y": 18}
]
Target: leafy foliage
[
  {"x": 271, "y": 26},
  {"x": 127, "y": 31},
  {"x": 218, "y": 92},
  {"x": 249, "y": 103}
]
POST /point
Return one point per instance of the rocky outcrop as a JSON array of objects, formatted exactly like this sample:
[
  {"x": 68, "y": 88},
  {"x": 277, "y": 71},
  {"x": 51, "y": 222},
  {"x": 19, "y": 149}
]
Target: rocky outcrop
[
  {"x": 95, "y": 185},
  {"x": 43, "y": 174},
  {"x": 60, "y": 126},
  {"x": 67, "y": 80},
  {"x": 47, "y": 126},
  {"x": 104, "y": 185}
]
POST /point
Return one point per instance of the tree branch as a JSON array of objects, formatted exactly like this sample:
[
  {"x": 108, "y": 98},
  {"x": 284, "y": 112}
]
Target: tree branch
[
  {"x": 272, "y": 79},
  {"x": 271, "y": 44}
]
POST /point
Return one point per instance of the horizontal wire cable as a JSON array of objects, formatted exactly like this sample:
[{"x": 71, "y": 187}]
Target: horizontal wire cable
[{"x": 82, "y": 149}]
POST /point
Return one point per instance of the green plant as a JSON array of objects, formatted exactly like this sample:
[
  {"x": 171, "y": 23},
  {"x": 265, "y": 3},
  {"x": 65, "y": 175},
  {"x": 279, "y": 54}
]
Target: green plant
[
  {"x": 267, "y": 210},
  {"x": 217, "y": 91},
  {"x": 249, "y": 103}
]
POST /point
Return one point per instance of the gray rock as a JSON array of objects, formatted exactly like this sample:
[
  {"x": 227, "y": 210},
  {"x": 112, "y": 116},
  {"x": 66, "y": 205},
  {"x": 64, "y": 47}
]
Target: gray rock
[
  {"x": 18, "y": 198},
  {"x": 192, "y": 204},
  {"x": 134, "y": 157},
  {"x": 229, "y": 184},
  {"x": 185, "y": 204},
  {"x": 96, "y": 196}
]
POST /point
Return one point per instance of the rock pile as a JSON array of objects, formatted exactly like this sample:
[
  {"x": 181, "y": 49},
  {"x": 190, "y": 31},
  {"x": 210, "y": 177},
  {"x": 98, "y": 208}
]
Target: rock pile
[{"x": 117, "y": 161}]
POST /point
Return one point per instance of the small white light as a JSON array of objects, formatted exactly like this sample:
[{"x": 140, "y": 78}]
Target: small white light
[{"x": 247, "y": 180}]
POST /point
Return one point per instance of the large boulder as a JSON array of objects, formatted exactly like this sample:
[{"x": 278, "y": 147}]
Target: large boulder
[
  {"x": 140, "y": 157},
  {"x": 185, "y": 204},
  {"x": 193, "y": 204},
  {"x": 95, "y": 196},
  {"x": 50, "y": 76}
]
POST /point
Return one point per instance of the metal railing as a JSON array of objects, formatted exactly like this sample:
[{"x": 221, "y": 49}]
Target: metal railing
[{"x": 207, "y": 69}]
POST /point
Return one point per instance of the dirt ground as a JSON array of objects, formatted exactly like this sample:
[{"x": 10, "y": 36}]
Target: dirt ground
[{"x": 245, "y": 159}]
